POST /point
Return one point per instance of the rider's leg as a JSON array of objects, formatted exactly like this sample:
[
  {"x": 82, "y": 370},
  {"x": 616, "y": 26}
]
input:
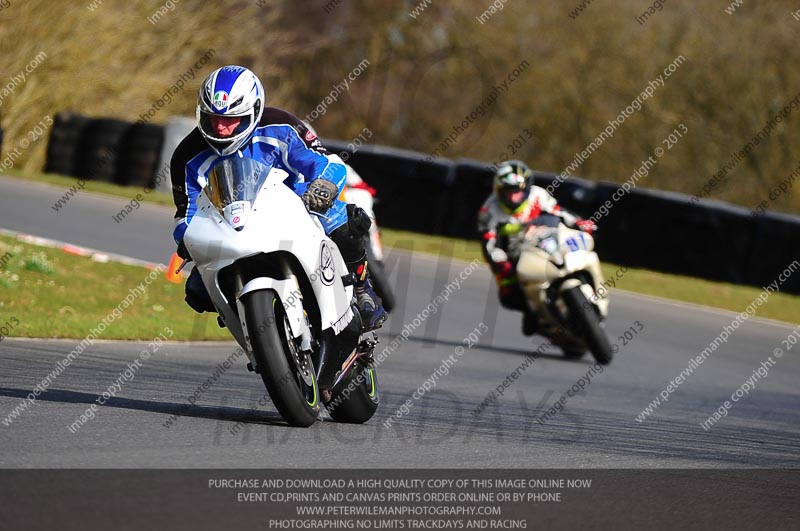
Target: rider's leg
[
  {"x": 513, "y": 298},
  {"x": 347, "y": 225},
  {"x": 196, "y": 294}
]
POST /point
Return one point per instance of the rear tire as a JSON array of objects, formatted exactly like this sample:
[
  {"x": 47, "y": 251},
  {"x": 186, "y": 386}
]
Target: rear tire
[
  {"x": 355, "y": 400},
  {"x": 273, "y": 348},
  {"x": 587, "y": 321},
  {"x": 572, "y": 354}
]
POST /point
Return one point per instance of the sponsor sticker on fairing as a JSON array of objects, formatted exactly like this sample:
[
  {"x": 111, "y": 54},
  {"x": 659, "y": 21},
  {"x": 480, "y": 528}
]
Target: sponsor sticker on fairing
[{"x": 327, "y": 267}]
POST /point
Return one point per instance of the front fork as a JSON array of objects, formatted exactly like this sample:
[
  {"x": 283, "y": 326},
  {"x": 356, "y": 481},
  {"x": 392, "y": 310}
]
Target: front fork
[
  {"x": 286, "y": 290},
  {"x": 549, "y": 304}
]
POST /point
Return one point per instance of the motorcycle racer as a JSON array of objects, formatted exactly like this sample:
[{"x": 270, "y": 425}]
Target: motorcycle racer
[
  {"x": 516, "y": 202},
  {"x": 232, "y": 121}
]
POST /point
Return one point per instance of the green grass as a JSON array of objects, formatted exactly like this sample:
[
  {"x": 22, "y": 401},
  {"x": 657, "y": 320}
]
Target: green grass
[
  {"x": 781, "y": 307},
  {"x": 54, "y": 294}
]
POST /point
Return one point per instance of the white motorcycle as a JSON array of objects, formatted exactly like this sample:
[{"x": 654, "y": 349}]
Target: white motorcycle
[
  {"x": 283, "y": 290},
  {"x": 559, "y": 272}
]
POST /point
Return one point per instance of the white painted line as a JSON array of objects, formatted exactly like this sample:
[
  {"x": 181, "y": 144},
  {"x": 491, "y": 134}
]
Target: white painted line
[{"x": 94, "y": 254}]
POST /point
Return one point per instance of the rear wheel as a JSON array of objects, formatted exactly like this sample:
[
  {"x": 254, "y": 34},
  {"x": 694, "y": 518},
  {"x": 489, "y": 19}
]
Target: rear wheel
[
  {"x": 587, "y": 321},
  {"x": 288, "y": 374},
  {"x": 355, "y": 399},
  {"x": 573, "y": 354}
]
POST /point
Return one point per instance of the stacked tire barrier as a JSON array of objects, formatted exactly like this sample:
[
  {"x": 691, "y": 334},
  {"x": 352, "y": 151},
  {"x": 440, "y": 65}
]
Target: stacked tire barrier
[
  {"x": 412, "y": 193},
  {"x": 104, "y": 149},
  {"x": 99, "y": 149},
  {"x": 139, "y": 154},
  {"x": 651, "y": 229},
  {"x": 62, "y": 148}
]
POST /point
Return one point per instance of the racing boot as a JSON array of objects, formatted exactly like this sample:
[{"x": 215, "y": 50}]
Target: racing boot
[
  {"x": 197, "y": 296},
  {"x": 369, "y": 304},
  {"x": 529, "y": 324},
  {"x": 512, "y": 297}
]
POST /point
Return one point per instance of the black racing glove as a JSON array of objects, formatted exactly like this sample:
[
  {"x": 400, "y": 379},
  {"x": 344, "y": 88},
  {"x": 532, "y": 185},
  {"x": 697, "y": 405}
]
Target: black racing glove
[
  {"x": 320, "y": 195},
  {"x": 183, "y": 252}
]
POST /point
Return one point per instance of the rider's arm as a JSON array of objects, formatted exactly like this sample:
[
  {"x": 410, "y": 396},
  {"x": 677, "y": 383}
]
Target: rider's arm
[
  {"x": 492, "y": 253},
  {"x": 549, "y": 204},
  {"x": 315, "y": 165},
  {"x": 305, "y": 153},
  {"x": 185, "y": 187}
]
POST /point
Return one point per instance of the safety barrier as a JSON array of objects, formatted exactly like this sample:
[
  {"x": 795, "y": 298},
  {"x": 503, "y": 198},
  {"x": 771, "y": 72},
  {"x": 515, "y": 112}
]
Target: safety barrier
[{"x": 651, "y": 229}]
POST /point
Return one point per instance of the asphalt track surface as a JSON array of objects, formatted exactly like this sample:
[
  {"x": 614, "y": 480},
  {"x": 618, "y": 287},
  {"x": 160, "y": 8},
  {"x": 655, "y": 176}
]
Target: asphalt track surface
[{"x": 596, "y": 429}]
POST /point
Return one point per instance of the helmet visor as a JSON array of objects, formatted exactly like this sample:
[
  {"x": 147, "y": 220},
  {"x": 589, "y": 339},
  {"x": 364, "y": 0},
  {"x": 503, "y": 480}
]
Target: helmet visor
[
  {"x": 513, "y": 180},
  {"x": 224, "y": 128},
  {"x": 512, "y": 188}
]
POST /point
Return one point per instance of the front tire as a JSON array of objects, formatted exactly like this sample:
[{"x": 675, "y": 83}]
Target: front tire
[
  {"x": 355, "y": 400},
  {"x": 587, "y": 321},
  {"x": 293, "y": 390}
]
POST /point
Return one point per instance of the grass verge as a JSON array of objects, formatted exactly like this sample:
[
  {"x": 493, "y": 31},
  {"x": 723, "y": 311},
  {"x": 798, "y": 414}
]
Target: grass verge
[{"x": 46, "y": 292}]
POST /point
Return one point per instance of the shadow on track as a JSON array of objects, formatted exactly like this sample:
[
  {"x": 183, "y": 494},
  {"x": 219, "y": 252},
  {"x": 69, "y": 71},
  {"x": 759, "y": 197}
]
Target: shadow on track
[
  {"x": 232, "y": 414},
  {"x": 557, "y": 355}
]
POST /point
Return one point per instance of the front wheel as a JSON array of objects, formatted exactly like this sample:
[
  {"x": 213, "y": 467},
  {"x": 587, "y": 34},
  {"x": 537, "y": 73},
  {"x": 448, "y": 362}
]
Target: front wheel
[
  {"x": 355, "y": 399},
  {"x": 587, "y": 321},
  {"x": 288, "y": 374}
]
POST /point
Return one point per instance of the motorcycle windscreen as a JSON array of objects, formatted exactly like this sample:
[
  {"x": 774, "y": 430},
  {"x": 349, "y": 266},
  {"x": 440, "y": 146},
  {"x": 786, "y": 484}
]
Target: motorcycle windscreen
[{"x": 233, "y": 184}]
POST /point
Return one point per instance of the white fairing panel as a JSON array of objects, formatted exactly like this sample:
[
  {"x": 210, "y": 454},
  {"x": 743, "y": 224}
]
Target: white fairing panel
[
  {"x": 576, "y": 251},
  {"x": 289, "y": 293},
  {"x": 278, "y": 221}
]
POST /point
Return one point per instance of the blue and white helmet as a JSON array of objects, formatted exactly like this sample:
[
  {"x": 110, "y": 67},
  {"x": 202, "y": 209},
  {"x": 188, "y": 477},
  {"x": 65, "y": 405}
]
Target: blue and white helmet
[{"x": 231, "y": 91}]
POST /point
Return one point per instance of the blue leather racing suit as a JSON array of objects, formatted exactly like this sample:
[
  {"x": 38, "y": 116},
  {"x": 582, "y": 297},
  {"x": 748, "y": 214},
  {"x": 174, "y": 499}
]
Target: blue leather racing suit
[{"x": 281, "y": 139}]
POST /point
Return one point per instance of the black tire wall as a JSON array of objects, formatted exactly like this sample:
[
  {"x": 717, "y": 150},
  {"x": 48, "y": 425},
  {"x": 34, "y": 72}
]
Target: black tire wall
[{"x": 651, "y": 229}]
